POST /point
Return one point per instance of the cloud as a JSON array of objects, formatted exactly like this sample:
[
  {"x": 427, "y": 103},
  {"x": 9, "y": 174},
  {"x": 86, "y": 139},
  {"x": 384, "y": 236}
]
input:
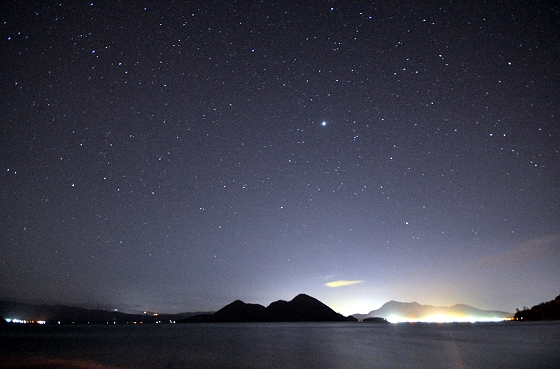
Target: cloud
[
  {"x": 341, "y": 283},
  {"x": 534, "y": 249}
]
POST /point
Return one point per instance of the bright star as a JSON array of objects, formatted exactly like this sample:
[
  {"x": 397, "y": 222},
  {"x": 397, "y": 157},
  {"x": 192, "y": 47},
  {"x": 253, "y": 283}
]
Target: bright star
[{"x": 324, "y": 123}]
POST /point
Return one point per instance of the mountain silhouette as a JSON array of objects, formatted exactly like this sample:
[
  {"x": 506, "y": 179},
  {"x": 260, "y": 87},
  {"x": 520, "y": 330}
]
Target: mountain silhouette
[
  {"x": 238, "y": 311},
  {"x": 414, "y": 311},
  {"x": 302, "y": 308}
]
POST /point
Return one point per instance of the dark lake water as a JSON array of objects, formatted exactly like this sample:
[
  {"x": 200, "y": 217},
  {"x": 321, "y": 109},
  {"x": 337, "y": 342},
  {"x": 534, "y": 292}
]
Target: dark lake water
[{"x": 286, "y": 345}]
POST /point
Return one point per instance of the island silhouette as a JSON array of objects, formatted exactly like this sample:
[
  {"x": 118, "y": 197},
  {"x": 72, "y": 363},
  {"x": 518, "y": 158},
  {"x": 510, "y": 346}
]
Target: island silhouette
[
  {"x": 302, "y": 308},
  {"x": 413, "y": 311}
]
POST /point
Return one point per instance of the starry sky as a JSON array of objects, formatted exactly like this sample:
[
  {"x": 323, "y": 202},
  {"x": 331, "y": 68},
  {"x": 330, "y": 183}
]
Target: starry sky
[{"x": 175, "y": 156}]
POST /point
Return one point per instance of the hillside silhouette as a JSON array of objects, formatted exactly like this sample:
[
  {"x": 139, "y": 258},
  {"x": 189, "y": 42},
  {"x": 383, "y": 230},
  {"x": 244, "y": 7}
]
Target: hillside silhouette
[
  {"x": 302, "y": 308},
  {"x": 549, "y": 310}
]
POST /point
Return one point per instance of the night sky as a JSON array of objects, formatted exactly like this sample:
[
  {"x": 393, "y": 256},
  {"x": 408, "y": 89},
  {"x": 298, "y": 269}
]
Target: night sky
[{"x": 171, "y": 156}]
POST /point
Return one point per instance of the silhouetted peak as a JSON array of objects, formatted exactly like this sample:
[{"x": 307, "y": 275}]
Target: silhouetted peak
[
  {"x": 277, "y": 305},
  {"x": 390, "y": 303},
  {"x": 394, "y": 303},
  {"x": 303, "y": 298},
  {"x": 238, "y": 311},
  {"x": 237, "y": 304}
]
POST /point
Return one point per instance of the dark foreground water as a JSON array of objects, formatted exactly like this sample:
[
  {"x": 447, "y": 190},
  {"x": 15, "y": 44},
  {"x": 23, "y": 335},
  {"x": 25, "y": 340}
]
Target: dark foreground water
[{"x": 279, "y": 345}]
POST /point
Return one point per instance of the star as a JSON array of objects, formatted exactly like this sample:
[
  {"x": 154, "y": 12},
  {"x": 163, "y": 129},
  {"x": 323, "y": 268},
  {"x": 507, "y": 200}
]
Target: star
[{"x": 222, "y": 148}]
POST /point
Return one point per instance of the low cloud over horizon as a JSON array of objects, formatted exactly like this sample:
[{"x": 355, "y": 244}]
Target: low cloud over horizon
[{"x": 341, "y": 283}]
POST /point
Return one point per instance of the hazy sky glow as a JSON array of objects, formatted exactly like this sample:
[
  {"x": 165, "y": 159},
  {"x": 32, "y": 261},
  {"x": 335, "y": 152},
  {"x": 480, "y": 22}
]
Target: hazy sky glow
[{"x": 178, "y": 157}]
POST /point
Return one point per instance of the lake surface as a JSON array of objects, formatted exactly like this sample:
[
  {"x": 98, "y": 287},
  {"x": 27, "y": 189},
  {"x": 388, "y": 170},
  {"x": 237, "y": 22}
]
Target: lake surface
[{"x": 285, "y": 345}]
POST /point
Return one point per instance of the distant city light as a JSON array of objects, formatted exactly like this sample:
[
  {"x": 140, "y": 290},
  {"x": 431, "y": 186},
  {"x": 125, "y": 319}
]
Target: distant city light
[{"x": 20, "y": 321}]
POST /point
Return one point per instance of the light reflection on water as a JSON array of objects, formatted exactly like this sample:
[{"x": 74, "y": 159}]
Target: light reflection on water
[{"x": 288, "y": 345}]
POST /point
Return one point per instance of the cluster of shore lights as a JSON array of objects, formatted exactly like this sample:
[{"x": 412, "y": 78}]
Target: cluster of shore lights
[
  {"x": 444, "y": 319},
  {"x": 19, "y": 321}
]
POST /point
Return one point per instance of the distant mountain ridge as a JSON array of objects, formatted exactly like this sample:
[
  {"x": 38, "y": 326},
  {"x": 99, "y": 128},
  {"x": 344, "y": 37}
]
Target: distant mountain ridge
[
  {"x": 413, "y": 311},
  {"x": 60, "y": 314},
  {"x": 302, "y": 308}
]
